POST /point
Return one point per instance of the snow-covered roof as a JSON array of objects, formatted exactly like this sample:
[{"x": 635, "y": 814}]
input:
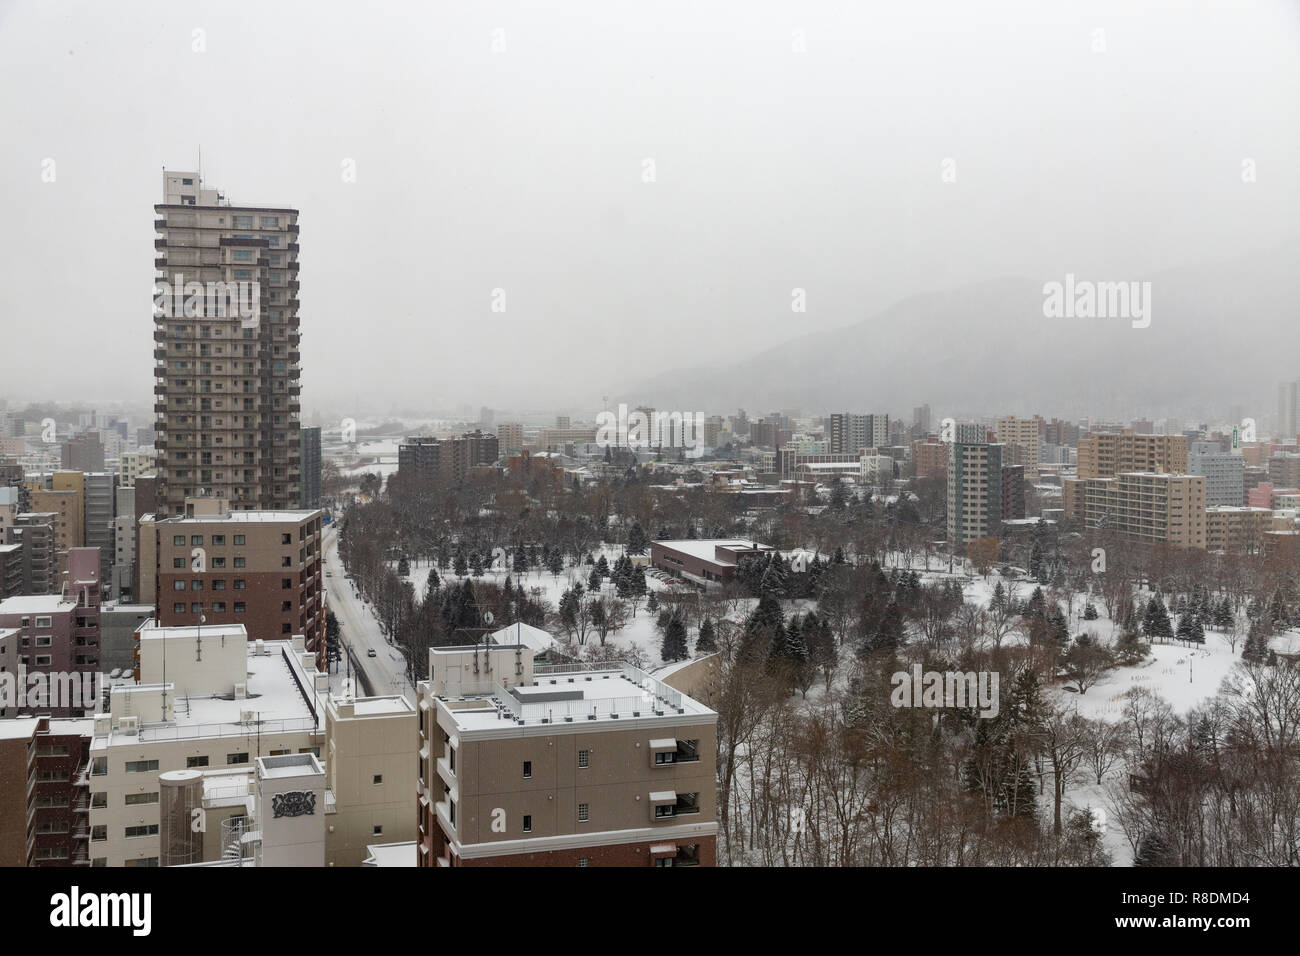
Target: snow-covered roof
[{"x": 520, "y": 633}]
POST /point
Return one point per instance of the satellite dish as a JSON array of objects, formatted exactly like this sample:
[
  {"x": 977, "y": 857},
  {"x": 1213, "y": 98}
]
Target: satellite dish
[{"x": 487, "y": 617}]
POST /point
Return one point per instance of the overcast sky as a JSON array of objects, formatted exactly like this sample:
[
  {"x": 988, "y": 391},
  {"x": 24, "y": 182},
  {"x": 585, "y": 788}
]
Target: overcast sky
[{"x": 505, "y": 146}]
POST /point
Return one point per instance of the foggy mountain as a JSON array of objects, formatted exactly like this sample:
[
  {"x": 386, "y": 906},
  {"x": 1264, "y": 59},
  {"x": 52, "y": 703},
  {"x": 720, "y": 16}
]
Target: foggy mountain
[{"x": 992, "y": 340}]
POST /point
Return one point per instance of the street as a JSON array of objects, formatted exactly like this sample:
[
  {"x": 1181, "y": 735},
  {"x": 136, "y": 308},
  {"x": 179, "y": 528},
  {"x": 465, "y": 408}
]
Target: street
[{"x": 385, "y": 672}]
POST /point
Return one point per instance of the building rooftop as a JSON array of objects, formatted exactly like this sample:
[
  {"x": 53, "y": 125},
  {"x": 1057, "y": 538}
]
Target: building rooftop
[
  {"x": 706, "y": 548},
  {"x": 19, "y": 728},
  {"x": 276, "y": 701},
  {"x": 573, "y": 694},
  {"x": 391, "y": 854},
  {"x": 35, "y": 604},
  {"x": 248, "y": 517}
]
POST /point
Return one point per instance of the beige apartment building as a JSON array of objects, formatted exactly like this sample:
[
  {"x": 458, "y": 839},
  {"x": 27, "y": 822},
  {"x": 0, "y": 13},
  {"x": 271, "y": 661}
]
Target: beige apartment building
[
  {"x": 560, "y": 765},
  {"x": 206, "y": 698},
  {"x": 1021, "y": 438},
  {"x": 261, "y": 569},
  {"x": 1107, "y": 454},
  {"x": 1156, "y": 508},
  {"x": 227, "y": 395},
  {"x": 1229, "y": 528},
  {"x": 371, "y": 773},
  {"x": 132, "y": 464}
]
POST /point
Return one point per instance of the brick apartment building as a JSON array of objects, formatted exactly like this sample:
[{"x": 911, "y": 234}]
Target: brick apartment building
[
  {"x": 56, "y": 634},
  {"x": 262, "y": 569}
]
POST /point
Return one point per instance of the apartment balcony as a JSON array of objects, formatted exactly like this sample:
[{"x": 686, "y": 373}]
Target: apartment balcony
[
  {"x": 160, "y": 243},
  {"x": 160, "y": 224}
]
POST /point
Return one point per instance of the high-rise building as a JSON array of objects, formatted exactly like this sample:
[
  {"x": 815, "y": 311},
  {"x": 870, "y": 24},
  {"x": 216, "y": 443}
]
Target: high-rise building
[
  {"x": 1022, "y": 437},
  {"x": 850, "y": 433},
  {"x": 228, "y": 379},
  {"x": 1284, "y": 470},
  {"x": 1107, "y": 454},
  {"x": 84, "y": 452},
  {"x": 510, "y": 437},
  {"x": 1225, "y": 474},
  {"x": 974, "y": 491},
  {"x": 447, "y": 459},
  {"x": 309, "y": 455},
  {"x": 1157, "y": 508},
  {"x": 529, "y": 765},
  {"x": 98, "y": 516},
  {"x": 1288, "y": 411}
]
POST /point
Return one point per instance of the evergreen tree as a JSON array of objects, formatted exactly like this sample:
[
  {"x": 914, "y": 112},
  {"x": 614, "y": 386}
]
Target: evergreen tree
[
  {"x": 593, "y": 581},
  {"x": 706, "y": 640},
  {"x": 475, "y": 564},
  {"x": 636, "y": 539},
  {"x": 403, "y": 567},
  {"x": 1156, "y": 623},
  {"x": 555, "y": 562},
  {"x": 460, "y": 566},
  {"x": 674, "y": 643},
  {"x": 652, "y": 603}
]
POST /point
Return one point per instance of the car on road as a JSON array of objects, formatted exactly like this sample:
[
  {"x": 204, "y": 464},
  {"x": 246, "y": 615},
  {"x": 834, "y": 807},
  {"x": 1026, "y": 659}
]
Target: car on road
[{"x": 370, "y": 653}]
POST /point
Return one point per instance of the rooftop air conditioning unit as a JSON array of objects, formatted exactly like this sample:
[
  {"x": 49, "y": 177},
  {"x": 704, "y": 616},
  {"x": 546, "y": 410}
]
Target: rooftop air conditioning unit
[
  {"x": 241, "y": 691},
  {"x": 247, "y": 717},
  {"x": 259, "y": 647},
  {"x": 129, "y": 725}
]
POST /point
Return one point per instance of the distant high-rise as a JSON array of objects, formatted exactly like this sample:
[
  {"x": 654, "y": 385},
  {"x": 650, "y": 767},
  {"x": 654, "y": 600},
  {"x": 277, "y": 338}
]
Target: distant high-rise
[
  {"x": 84, "y": 452},
  {"x": 850, "y": 433},
  {"x": 228, "y": 379},
  {"x": 1288, "y": 410}
]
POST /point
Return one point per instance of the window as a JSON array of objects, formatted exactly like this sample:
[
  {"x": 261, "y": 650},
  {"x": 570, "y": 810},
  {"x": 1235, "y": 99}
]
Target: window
[
  {"x": 99, "y": 834},
  {"x": 141, "y": 766},
  {"x": 241, "y": 222},
  {"x": 233, "y": 758},
  {"x": 218, "y": 540},
  {"x": 239, "y": 607},
  {"x": 99, "y": 800},
  {"x": 286, "y": 584},
  {"x": 178, "y": 585},
  {"x": 42, "y": 660},
  {"x": 582, "y": 813},
  {"x": 378, "y": 830},
  {"x": 219, "y": 584},
  {"x": 583, "y": 759},
  {"x": 134, "y": 799},
  {"x": 286, "y": 538},
  {"x": 379, "y": 778},
  {"x": 239, "y": 539},
  {"x": 178, "y": 562},
  {"x": 196, "y": 608},
  {"x": 528, "y": 823},
  {"x": 196, "y": 585},
  {"x": 178, "y": 608},
  {"x": 192, "y": 762},
  {"x": 179, "y": 540},
  {"x": 528, "y": 769},
  {"x": 196, "y": 540},
  {"x": 240, "y": 584},
  {"x": 42, "y": 622},
  {"x": 239, "y": 562},
  {"x": 583, "y": 861},
  {"x": 218, "y": 607},
  {"x": 149, "y": 829}
]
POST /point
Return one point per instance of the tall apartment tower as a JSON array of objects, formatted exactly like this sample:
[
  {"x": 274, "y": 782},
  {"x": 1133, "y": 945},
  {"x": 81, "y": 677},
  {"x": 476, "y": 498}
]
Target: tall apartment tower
[
  {"x": 1021, "y": 436},
  {"x": 1288, "y": 411},
  {"x": 850, "y": 433},
  {"x": 974, "y": 491},
  {"x": 228, "y": 379}
]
